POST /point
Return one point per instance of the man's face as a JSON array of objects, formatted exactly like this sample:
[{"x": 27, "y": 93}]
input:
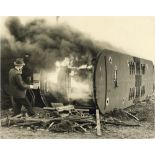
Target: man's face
[{"x": 20, "y": 67}]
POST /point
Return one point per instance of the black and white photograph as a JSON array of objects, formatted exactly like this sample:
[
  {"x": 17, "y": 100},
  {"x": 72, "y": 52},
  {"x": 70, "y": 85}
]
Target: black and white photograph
[{"x": 77, "y": 77}]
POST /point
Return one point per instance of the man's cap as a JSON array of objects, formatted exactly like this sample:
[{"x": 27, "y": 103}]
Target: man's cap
[{"x": 19, "y": 62}]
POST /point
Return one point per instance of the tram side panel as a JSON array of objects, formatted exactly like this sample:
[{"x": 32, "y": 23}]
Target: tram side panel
[
  {"x": 119, "y": 81},
  {"x": 147, "y": 71}
]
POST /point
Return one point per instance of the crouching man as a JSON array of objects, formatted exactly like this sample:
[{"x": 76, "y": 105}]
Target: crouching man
[{"x": 18, "y": 89}]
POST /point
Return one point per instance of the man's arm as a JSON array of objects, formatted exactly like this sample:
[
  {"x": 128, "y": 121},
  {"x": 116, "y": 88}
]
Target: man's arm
[{"x": 20, "y": 82}]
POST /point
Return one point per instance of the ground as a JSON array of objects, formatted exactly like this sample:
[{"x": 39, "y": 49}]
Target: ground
[
  {"x": 144, "y": 111},
  {"x": 112, "y": 133}
]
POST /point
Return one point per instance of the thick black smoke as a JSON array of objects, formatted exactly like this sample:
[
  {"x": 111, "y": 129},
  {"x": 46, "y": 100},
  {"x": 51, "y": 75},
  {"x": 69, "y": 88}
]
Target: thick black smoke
[{"x": 46, "y": 44}]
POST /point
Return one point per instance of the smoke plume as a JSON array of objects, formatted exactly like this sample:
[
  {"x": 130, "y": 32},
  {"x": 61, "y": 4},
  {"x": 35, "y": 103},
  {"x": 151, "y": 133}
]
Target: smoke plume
[{"x": 46, "y": 44}]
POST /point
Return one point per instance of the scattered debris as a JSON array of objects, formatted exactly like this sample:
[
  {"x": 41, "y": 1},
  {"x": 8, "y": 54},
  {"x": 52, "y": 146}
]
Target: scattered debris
[
  {"x": 62, "y": 126},
  {"x": 60, "y": 118},
  {"x": 131, "y": 115},
  {"x": 119, "y": 123}
]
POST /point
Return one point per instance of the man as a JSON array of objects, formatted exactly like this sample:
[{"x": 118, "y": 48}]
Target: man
[
  {"x": 27, "y": 72},
  {"x": 27, "y": 76},
  {"x": 18, "y": 89}
]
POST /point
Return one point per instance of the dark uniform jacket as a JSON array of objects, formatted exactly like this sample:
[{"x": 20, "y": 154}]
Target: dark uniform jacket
[{"x": 17, "y": 85}]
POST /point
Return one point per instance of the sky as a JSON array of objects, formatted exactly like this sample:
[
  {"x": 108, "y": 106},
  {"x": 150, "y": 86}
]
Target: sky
[{"x": 135, "y": 35}]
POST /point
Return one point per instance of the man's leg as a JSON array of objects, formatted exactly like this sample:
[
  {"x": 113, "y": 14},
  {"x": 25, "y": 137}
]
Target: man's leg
[
  {"x": 26, "y": 103},
  {"x": 16, "y": 106}
]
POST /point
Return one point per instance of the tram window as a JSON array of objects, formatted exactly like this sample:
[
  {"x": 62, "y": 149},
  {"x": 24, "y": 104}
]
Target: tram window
[
  {"x": 137, "y": 92},
  {"x": 143, "y": 68},
  {"x": 143, "y": 91},
  {"x": 153, "y": 87},
  {"x": 130, "y": 94},
  {"x": 132, "y": 67},
  {"x": 133, "y": 93},
  {"x": 138, "y": 68}
]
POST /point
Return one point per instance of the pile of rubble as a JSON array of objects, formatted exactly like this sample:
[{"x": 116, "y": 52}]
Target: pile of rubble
[
  {"x": 134, "y": 116},
  {"x": 58, "y": 118},
  {"x": 120, "y": 117}
]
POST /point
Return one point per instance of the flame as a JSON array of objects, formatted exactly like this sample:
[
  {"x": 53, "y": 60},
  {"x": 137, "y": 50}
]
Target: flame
[
  {"x": 79, "y": 89},
  {"x": 52, "y": 77},
  {"x": 67, "y": 81}
]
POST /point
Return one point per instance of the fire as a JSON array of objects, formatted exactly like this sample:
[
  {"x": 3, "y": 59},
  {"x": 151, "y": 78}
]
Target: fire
[
  {"x": 52, "y": 77},
  {"x": 67, "y": 80},
  {"x": 79, "y": 89}
]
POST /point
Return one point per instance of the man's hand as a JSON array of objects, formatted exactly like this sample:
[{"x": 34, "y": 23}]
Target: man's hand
[
  {"x": 31, "y": 86},
  {"x": 35, "y": 85}
]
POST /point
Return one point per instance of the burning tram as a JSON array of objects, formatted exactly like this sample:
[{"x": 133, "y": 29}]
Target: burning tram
[
  {"x": 87, "y": 77},
  {"x": 112, "y": 80}
]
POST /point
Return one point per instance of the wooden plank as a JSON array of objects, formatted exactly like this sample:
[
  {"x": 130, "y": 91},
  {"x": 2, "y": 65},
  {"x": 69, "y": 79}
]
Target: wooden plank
[
  {"x": 55, "y": 105},
  {"x": 98, "y": 123},
  {"x": 119, "y": 123},
  {"x": 131, "y": 115},
  {"x": 49, "y": 108},
  {"x": 85, "y": 110},
  {"x": 65, "y": 108}
]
